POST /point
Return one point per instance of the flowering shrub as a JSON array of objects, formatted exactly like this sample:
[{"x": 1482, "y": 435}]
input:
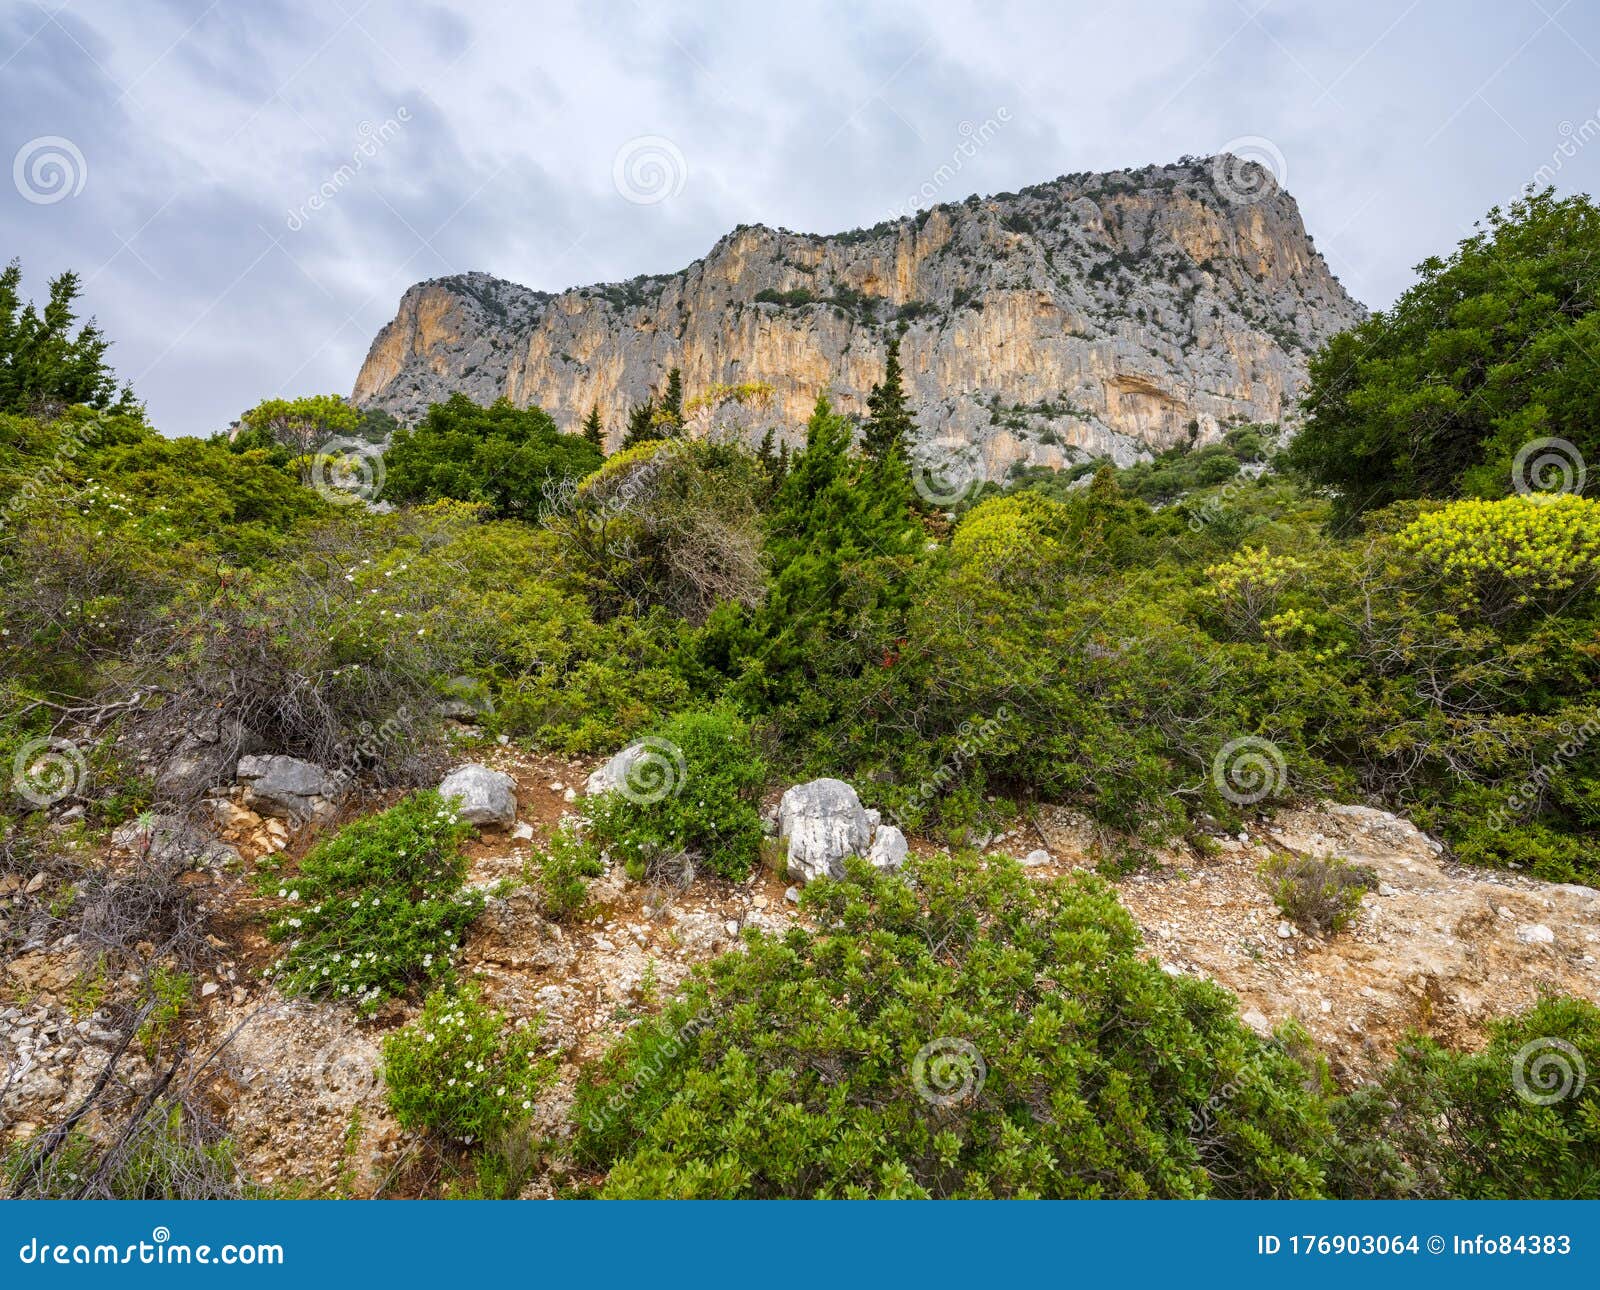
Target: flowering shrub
[
  {"x": 695, "y": 796},
  {"x": 376, "y": 907},
  {"x": 460, "y": 1071},
  {"x": 1514, "y": 552}
]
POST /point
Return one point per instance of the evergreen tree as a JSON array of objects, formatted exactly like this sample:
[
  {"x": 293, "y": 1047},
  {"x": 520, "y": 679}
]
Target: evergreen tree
[
  {"x": 42, "y": 364},
  {"x": 641, "y": 424},
  {"x": 672, "y": 400},
  {"x": 841, "y": 542},
  {"x": 889, "y": 426},
  {"x": 593, "y": 430}
]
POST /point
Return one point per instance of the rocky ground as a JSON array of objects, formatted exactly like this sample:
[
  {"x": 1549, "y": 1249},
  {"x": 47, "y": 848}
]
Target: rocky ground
[{"x": 1435, "y": 948}]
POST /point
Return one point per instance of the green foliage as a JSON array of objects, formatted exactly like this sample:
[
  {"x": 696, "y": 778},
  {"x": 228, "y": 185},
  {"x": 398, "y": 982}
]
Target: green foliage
[
  {"x": 692, "y": 794},
  {"x": 890, "y": 426},
  {"x": 376, "y": 908},
  {"x": 165, "y": 1156},
  {"x": 302, "y": 427},
  {"x": 1518, "y": 1120},
  {"x": 971, "y": 1033},
  {"x": 1498, "y": 557},
  {"x": 841, "y": 546},
  {"x": 1434, "y": 396},
  {"x": 1318, "y": 895},
  {"x": 560, "y": 872},
  {"x": 506, "y": 458},
  {"x": 44, "y": 367},
  {"x": 461, "y": 1072},
  {"x": 593, "y": 429}
]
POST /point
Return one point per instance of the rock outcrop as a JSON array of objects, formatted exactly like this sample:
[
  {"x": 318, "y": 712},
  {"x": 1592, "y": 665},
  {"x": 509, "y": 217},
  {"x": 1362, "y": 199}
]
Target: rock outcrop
[
  {"x": 1091, "y": 316},
  {"x": 823, "y": 822},
  {"x": 289, "y": 788}
]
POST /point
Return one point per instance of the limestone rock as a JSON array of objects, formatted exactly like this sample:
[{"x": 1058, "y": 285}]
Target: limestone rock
[
  {"x": 486, "y": 797},
  {"x": 1092, "y": 315},
  {"x": 289, "y": 788}
]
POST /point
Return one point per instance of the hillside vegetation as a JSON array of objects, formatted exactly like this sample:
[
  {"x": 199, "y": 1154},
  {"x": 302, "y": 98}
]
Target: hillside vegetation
[{"x": 1400, "y": 608}]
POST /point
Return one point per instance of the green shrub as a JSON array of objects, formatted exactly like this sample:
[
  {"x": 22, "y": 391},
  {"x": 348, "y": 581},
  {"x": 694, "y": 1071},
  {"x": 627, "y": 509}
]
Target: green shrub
[
  {"x": 692, "y": 792},
  {"x": 376, "y": 907},
  {"x": 1317, "y": 894},
  {"x": 966, "y": 1033},
  {"x": 459, "y": 1071},
  {"x": 1519, "y": 1120},
  {"x": 560, "y": 872}
]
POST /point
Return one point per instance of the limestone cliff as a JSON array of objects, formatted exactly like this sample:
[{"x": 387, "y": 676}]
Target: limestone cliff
[{"x": 1095, "y": 315}]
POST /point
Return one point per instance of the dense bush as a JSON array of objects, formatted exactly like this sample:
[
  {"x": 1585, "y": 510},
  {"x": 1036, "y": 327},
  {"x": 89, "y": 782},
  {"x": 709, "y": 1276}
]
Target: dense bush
[
  {"x": 377, "y": 907},
  {"x": 502, "y": 456},
  {"x": 461, "y": 1072},
  {"x": 970, "y": 1033},
  {"x": 691, "y": 795},
  {"x": 1437, "y": 395},
  {"x": 1518, "y": 1120}
]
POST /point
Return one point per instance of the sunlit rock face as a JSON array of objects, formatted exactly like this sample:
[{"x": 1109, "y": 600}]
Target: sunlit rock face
[{"x": 1092, "y": 316}]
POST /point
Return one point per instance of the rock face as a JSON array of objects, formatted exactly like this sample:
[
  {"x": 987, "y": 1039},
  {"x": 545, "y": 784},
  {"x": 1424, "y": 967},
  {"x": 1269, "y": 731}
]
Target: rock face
[
  {"x": 1094, "y": 315},
  {"x": 289, "y": 788},
  {"x": 822, "y": 822},
  {"x": 486, "y": 796}
]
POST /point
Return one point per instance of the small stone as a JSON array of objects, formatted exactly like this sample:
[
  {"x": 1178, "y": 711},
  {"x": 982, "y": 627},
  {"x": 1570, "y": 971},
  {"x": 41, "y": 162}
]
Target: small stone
[
  {"x": 523, "y": 831},
  {"x": 1384, "y": 889},
  {"x": 792, "y": 894},
  {"x": 556, "y": 786},
  {"x": 34, "y": 883},
  {"x": 732, "y": 927},
  {"x": 1285, "y": 930},
  {"x": 208, "y": 989},
  {"x": 760, "y": 902},
  {"x": 570, "y": 795},
  {"x": 1535, "y": 934},
  {"x": 1036, "y": 857}
]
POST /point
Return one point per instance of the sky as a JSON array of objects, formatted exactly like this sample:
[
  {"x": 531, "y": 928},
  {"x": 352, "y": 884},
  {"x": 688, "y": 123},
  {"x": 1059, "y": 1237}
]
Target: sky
[{"x": 246, "y": 189}]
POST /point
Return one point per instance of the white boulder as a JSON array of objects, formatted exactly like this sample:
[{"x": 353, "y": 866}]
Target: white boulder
[
  {"x": 822, "y": 822},
  {"x": 485, "y": 797}
]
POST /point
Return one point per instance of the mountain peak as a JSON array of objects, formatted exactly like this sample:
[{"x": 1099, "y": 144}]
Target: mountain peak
[{"x": 1091, "y": 315}]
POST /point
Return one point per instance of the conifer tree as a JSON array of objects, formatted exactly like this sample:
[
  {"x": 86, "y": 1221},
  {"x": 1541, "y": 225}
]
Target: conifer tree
[
  {"x": 889, "y": 426},
  {"x": 593, "y": 430}
]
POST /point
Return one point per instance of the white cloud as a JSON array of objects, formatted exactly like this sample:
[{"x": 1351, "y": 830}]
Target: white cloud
[{"x": 203, "y": 128}]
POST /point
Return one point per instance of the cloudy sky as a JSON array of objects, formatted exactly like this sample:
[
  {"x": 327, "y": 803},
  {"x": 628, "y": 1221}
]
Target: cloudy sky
[{"x": 170, "y": 150}]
